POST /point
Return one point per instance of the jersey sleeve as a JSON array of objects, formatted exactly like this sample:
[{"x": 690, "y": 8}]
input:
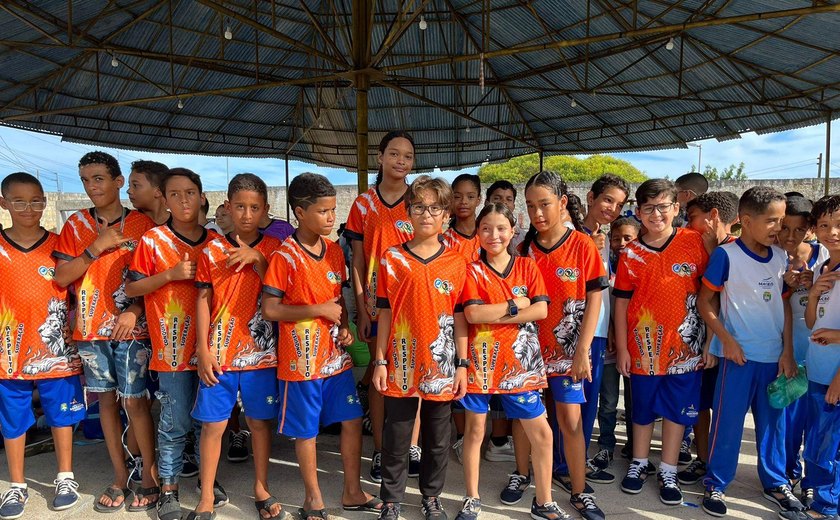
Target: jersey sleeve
[
  {"x": 276, "y": 277},
  {"x": 382, "y": 283},
  {"x": 354, "y": 230},
  {"x": 593, "y": 268},
  {"x": 717, "y": 270},
  {"x": 471, "y": 295},
  {"x": 202, "y": 271},
  {"x": 68, "y": 246},
  {"x": 143, "y": 260},
  {"x": 536, "y": 284},
  {"x": 624, "y": 280}
]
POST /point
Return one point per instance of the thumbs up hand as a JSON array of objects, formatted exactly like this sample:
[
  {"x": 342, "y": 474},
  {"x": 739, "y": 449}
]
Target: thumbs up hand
[
  {"x": 183, "y": 270},
  {"x": 109, "y": 237},
  {"x": 599, "y": 238}
]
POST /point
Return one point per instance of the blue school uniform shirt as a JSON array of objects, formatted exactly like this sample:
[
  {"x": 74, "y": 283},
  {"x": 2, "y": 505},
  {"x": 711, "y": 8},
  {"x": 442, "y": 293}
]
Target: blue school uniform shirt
[
  {"x": 823, "y": 361},
  {"x": 751, "y": 291},
  {"x": 798, "y": 302}
]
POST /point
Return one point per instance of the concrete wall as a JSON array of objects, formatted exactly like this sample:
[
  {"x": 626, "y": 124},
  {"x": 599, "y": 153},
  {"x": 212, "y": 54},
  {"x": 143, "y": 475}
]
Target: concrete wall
[{"x": 812, "y": 188}]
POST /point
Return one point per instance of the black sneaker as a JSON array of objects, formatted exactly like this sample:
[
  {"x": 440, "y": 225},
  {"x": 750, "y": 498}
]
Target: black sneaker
[
  {"x": 414, "y": 456},
  {"x": 685, "y": 453},
  {"x": 389, "y": 511},
  {"x": 597, "y": 475},
  {"x": 714, "y": 503},
  {"x": 13, "y": 502},
  {"x": 783, "y": 497},
  {"x": 220, "y": 497},
  {"x": 190, "y": 468},
  {"x": 564, "y": 481},
  {"x": 807, "y": 497},
  {"x": 517, "y": 485},
  {"x": 432, "y": 510},
  {"x": 376, "y": 469},
  {"x": 650, "y": 469},
  {"x": 169, "y": 507},
  {"x": 470, "y": 509},
  {"x": 670, "y": 493},
  {"x": 66, "y": 495},
  {"x": 548, "y": 511},
  {"x": 634, "y": 479},
  {"x": 602, "y": 459},
  {"x": 693, "y": 473},
  {"x": 584, "y": 504},
  {"x": 237, "y": 447}
]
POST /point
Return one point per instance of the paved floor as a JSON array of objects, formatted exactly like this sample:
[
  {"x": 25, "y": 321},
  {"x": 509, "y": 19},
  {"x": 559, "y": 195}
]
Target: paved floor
[{"x": 92, "y": 471}]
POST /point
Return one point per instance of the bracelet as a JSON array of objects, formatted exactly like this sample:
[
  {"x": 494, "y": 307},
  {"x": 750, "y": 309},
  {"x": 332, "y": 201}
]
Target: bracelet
[
  {"x": 380, "y": 363},
  {"x": 89, "y": 254}
]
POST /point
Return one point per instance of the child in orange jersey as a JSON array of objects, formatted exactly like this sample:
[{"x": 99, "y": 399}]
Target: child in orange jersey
[
  {"x": 302, "y": 290},
  {"x": 145, "y": 190},
  {"x": 163, "y": 270},
  {"x": 35, "y": 347},
  {"x": 461, "y": 235}
]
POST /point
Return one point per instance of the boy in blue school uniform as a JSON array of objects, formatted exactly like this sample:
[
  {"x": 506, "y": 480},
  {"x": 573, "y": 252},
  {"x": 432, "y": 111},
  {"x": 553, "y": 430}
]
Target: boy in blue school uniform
[
  {"x": 741, "y": 301},
  {"x": 822, "y": 314}
]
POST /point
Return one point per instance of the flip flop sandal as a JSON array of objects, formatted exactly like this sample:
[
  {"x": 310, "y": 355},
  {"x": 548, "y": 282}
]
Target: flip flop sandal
[
  {"x": 265, "y": 505},
  {"x": 141, "y": 493},
  {"x": 204, "y": 515},
  {"x": 368, "y": 507},
  {"x": 313, "y": 513},
  {"x": 113, "y": 493}
]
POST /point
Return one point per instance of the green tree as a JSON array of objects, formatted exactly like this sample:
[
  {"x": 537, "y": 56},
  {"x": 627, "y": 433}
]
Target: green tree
[
  {"x": 730, "y": 173},
  {"x": 519, "y": 169}
]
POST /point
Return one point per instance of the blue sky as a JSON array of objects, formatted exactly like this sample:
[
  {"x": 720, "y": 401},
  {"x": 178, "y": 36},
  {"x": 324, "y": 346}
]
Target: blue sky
[{"x": 791, "y": 154}]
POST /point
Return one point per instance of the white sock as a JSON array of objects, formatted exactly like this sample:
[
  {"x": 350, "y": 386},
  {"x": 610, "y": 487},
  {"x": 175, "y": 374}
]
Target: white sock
[
  {"x": 667, "y": 468},
  {"x": 643, "y": 462},
  {"x": 19, "y": 485},
  {"x": 62, "y": 475}
]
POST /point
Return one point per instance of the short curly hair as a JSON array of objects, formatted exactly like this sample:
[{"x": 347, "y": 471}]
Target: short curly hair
[
  {"x": 247, "y": 182},
  {"x": 307, "y": 188},
  {"x": 104, "y": 158},
  {"x": 757, "y": 199},
  {"x": 825, "y": 206},
  {"x": 725, "y": 202}
]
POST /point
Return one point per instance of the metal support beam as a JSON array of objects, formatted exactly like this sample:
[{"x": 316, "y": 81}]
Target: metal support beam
[
  {"x": 288, "y": 206},
  {"x": 827, "y": 151}
]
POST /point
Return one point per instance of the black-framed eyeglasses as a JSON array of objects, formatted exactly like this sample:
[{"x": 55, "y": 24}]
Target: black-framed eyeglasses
[
  {"x": 19, "y": 205},
  {"x": 648, "y": 209},
  {"x": 418, "y": 209}
]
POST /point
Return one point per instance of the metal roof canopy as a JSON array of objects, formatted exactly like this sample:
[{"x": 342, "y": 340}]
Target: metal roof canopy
[{"x": 318, "y": 80}]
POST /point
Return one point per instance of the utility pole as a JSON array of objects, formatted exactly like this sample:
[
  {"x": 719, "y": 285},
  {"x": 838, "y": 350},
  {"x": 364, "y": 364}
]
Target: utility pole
[{"x": 819, "y": 166}]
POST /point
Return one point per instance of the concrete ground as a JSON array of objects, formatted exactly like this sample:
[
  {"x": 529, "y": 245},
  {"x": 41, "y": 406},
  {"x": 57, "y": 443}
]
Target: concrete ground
[{"x": 93, "y": 472}]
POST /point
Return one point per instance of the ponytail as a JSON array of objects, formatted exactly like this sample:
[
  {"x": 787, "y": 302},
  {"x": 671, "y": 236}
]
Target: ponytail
[
  {"x": 573, "y": 206},
  {"x": 530, "y": 235}
]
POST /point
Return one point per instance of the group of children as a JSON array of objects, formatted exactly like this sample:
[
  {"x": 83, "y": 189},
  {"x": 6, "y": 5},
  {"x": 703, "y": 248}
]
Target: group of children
[{"x": 483, "y": 315}]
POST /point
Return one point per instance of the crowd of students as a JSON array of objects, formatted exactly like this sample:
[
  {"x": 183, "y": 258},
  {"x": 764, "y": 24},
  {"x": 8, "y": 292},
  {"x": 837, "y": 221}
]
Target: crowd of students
[{"x": 474, "y": 314}]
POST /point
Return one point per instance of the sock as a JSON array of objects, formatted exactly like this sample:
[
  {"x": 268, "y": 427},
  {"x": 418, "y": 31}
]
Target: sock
[
  {"x": 499, "y": 441},
  {"x": 667, "y": 468},
  {"x": 19, "y": 485},
  {"x": 643, "y": 462},
  {"x": 65, "y": 475}
]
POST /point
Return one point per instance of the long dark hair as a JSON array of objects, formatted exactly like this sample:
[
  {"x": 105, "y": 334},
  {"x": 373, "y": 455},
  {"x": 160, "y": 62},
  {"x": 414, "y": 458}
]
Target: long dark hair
[
  {"x": 501, "y": 209},
  {"x": 383, "y": 144},
  {"x": 465, "y": 177},
  {"x": 554, "y": 182}
]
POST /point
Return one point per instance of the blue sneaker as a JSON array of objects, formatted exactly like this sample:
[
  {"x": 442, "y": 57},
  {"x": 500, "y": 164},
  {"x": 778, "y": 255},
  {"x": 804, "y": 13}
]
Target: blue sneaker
[
  {"x": 517, "y": 485},
  {"x": 634, "y": 479},
  {"x": 470, "y": 509},
  {"x": 548, "y": 511},
  {"x": 65, "y": 494},
  {"x": 13, "y": 502}
]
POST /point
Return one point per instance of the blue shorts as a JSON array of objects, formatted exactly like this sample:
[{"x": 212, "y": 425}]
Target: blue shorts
[
  {"x": 307, "y": 405},
  {"x": 674, "y": 397},
  {"x": 523, "y": 405},
  {"x": 116, "y": 365},
  {"x": 258, "y": 389},
  {"x": 374, "y": 329},
  {"x": 565, "y": 390},
  {"x": 62, "y": 400},
  {"x": 707, "y": 387}
]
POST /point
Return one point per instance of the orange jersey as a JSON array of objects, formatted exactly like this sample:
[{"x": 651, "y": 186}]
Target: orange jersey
[
  {"x": 468, "y": 246},
  {"x": 100, "y": 292},
  {"x": 423, "y": 296},
  {"x": 307, "y": 348},
  {"x": 239, "y": 338},
  {"x": 379, "y": 226},
  {"x": 571, "y": 268},
  {"x": 35, "y": 341},
  {"x": 171, "y": 309},
  {"x": 505, "y": 358},
  {"x": 665, "y": 333}
]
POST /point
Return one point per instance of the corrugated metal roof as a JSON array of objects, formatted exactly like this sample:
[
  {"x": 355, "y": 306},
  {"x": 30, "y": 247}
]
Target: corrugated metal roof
[{"x": 280, "y": 86}]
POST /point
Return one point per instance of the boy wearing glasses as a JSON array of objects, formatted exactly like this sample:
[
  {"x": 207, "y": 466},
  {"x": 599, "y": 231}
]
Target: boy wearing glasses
[
  {"x": 421, "y": 353},
  {"x": 35, "y": 348},
  {"x": 659, "y": 334}
]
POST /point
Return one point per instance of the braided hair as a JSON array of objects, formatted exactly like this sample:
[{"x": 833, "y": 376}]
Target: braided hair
[{"x": 555, "y": 183}]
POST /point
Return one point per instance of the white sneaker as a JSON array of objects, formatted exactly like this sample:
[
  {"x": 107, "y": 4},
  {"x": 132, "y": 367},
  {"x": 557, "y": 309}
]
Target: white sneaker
[
  {"x": 458, "y": 448},
  {"x": 502, "y": 453}
]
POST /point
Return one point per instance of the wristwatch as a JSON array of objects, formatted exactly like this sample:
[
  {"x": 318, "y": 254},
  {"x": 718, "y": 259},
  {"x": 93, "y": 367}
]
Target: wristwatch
[
  {"x": 462, "y": 363},
  {"x": 513, "y": 310},
  {"x": 380, "y": 363}
]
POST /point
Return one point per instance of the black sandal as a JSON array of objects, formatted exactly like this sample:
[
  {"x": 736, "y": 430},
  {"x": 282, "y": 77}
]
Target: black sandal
[
  {"x": 142, "y": 493},
  {"x": 204, "y": 515},
  {"x": 113, "y": 493},
  {"x": 374, "y": 505},
  {"x": 312, "y": 513},
  {"x": 265, "y": 505}
]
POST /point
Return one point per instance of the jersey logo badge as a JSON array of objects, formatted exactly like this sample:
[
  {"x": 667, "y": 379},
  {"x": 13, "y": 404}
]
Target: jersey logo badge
[
  {"x": 334, "y": 277},
  {"x": 684, "y": 269},
  {"x": 767, "y": 296},
  {"x": 443, "y": 286},
  {"x": 48, "y": 273},
  {"x": 520, "y": 290},
  {"x": 404, "y": 226},
  {"x": 568, "y": 274}
]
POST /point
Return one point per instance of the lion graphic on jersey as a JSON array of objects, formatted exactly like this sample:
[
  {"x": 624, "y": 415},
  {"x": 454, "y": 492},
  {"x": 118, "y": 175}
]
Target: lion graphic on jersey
[
  {"x": 440, "y": 376},
  {"x": 526, "y": 348},
  {"x": 693, "y": 333},
  {"x": 55, "y": 334},
  {"x": 567, "y": 333},
  {"x": 339, "y": 360},
  {"x": 122, "y": 302},
  {"x": 265, "y": 342}
]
